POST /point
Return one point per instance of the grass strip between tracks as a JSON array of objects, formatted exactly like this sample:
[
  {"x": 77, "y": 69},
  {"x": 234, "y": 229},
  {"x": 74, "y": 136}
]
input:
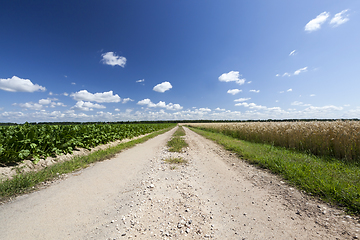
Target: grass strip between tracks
[
  {"x": 177, "y": 143},
  {"x": 27, "y": 182},
  {"x": 330, "y": 179}
]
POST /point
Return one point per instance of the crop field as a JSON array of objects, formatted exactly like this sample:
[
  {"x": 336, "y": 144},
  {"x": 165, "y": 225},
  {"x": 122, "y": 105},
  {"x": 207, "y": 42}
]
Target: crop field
[
  {"x": 339, "y": 139},
  {"x": 28, "y": 141}
]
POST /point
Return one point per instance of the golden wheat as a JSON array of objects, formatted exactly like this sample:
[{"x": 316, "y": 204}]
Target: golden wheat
[{"x": 340, "y": 139}]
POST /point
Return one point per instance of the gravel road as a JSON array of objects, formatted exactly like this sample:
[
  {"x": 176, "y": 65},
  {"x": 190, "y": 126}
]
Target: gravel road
[{"x": 137, "y": 195}]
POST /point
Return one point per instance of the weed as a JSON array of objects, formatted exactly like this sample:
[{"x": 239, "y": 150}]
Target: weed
[{"x": 178, "y": 160}]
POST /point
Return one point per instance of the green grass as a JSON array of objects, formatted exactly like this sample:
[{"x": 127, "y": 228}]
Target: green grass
[
  {"x": 178, "y": 160},
  {"x": 26, "y": 182},
  {"x": 177, "y": 143},
  {"x": 330, "y": 179},
  {"x": 179, "y": 132}
]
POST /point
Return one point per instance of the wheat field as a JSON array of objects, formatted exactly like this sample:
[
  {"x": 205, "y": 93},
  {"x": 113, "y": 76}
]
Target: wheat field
[{"x": 339, "y": 139}]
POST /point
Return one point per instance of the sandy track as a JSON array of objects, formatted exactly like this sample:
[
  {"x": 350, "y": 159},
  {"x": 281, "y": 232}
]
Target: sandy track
[{"x": 137, "y": 195}]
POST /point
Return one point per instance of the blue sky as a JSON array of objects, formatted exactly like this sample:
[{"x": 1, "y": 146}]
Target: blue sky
[{"x": 173, "y": 60}]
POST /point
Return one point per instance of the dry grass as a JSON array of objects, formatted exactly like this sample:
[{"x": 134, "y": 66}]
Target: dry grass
[{"x": 339, "y": 139}]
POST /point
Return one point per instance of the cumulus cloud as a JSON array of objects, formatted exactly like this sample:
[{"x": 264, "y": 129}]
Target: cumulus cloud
[
  {"x": 232, "y": 76},
  {"x": 86, "y": 106},
  {"x": 162, "y": 87},
  {"x": 289, "y": 90},
  {"x": 234, "y": 91},
  {"x": 312, "y": 95},
  {"x": 110, "y": 59},
  {"x": 125, "y": 100},
  {"x": 141, "y": 80},
  {"x": 104, "y": 97},
  {"x": 16, "y": 84},
  {"x": 40, "y": 104},
  {"x": 315, "y": 24},
  {"x": 255, "y": 91},
  {"x": 45, "y": 101},
  {"x": 204, "y": 109},
  {"x": 286, "y": 75},
  {"x": 292, "y": 53},
  {"x": 251, "y": 105},
  {"x": 160, "y": 104},
  {"x": 297, "y": 72},
  {"x": 220, "y": 109},
  {"x": 298, "y": 103},
  {"x": 241, "y": 99},
  {"x": 339, "y": 18},
  {"x": 30, "y": 105}
]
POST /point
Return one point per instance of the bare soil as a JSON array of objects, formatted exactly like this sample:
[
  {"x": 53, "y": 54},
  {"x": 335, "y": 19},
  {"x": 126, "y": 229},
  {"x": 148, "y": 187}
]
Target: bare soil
[{"x": 138, "y": 195}]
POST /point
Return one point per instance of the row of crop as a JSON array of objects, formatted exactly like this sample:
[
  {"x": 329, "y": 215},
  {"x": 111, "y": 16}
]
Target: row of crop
[
  {"x": 340, "y": 139},
  {"x": 40, "y": 141}
]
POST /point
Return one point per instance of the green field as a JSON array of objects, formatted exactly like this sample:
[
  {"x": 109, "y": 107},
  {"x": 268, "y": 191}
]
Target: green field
[{"x": 35, "y": 141}]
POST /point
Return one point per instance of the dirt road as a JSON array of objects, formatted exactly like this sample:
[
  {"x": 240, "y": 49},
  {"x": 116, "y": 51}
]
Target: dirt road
[{"x": 137, "y": 195}]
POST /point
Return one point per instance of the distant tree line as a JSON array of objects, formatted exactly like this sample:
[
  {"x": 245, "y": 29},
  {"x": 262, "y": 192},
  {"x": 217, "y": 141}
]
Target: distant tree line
[{"x": 179, "y": 121}]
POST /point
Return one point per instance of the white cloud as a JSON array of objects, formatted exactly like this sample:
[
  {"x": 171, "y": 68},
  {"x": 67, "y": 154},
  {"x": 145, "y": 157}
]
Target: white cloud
[
  {"x": 249, "y": 82},
  {"x": 234, "y": 91},
  {"x": 160, "y": 104},
  {"x": 286, "y": 75},
  {"x": 65, "y": 94},
  {"x": 297, "y": 103},
  {"x": 315, "y": 24},
  {"x": 241, "y": 99},
  {"x": 56, "y": 104},
  {"x": 277, "y": 75},
  {"x": 125, "y": 100},
  {"x": 73, "y": 83},
  {"x": 145, "y": 101},
  {"x": 297, "y": 72},
  {"x": 251, "y": 105},
  {"x": 289, "y": 90},
  {"x": 250, "y": 111},
  {"x": 45, "y": 101},
  {"x": 312, "y": 95},
  {"x": 232, "y": 76},
  {"x": 162, "y": 87},
  {"x": 86, "y": 106},
  {"x": 30, "y": 105},
  {"x": 110, "y": 59},
  {"x": 255, "y": 91},
  {"x": 141, "y": 80},
  {"x": 339, "y": 18},
  {"x": 292, "y": 53},
  {"x": 104, "y": 97},
  {"x": 16, "y": 84},
  {"x": 204, "y": 109},
  {"x": 41, "y": 104},
  {"x": 117, "y": 110}
]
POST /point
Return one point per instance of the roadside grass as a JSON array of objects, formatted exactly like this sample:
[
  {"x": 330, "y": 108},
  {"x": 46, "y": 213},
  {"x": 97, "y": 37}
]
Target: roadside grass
[
  {"x": 330, "y": 179},
  {"x": 30, "y": 181},
  {"x": 177, "y": 143},
  {"x": 175, "y": 160}
]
